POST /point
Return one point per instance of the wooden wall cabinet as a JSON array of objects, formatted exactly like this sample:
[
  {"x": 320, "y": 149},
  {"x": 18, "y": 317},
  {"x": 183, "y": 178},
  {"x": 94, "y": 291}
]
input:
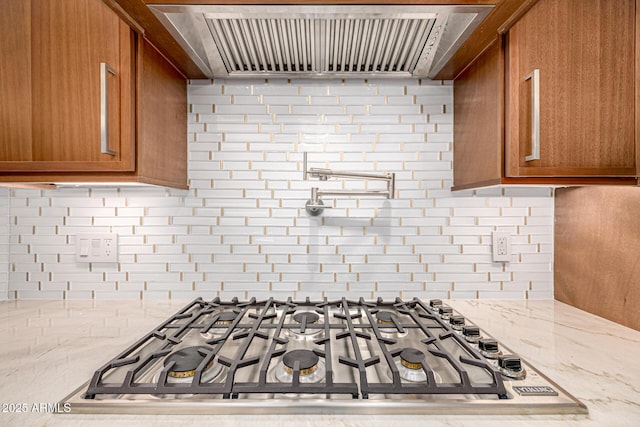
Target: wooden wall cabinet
[
  {"x": 568, "y": 65},
  {"x": 83, "y": 97}
]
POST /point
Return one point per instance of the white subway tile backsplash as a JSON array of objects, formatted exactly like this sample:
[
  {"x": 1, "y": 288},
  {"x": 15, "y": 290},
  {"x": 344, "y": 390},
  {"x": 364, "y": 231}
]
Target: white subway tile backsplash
[
  {"x": 502, "y": 221},
  {"x": 37, "y": 294},
  {"x": 156, "y": 295},
  {"x": 394, "y": 110},
  {"x": 242, "y": 229},
  {"x": 206, "y": 100},
  {"x": 433, "y": 285},
  {"x": 276, "y": 89},
  {"x": 322, "y": 99},
  {"x": 5, "y": 230}
]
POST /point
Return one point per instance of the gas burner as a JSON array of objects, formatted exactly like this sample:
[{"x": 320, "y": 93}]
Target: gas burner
[
  {"x": 187, "y": 361},
  {"x": 312, "y": 368},
  {"x": 410, "y": 365},
  {"x": 226, "y": 318},
  {"x": 307, "y": 358},
  {"x": 306, "y": 318},
  {"x": 388, "y": 329},
  {"x": 385, "y": 317},
  {"x": 510, "y": 366},
  {"x": 310, "y": 317}
]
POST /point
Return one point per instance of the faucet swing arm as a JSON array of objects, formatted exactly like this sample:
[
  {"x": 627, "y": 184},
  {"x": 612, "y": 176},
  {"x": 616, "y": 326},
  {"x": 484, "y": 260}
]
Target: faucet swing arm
[{"x": 315, "y": 206}]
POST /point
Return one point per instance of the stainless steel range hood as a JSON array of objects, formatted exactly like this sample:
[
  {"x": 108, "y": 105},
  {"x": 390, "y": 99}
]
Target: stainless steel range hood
[{"x": 320, "y": 41}]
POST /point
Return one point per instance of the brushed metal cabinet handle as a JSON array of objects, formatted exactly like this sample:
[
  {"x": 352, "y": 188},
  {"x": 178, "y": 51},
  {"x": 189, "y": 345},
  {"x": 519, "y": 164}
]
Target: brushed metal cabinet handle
[
  {"x": 534, "y": 76},
  {"x": 105, "y": 69}
]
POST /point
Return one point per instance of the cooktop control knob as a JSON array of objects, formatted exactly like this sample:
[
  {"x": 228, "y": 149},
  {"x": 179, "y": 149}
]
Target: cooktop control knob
[
  {"x": 457, "y": 322},
  {"x": 510, "y": 366},
  {"x": 489, "y": 348},
  {"x": 445, "y": 312},
  {"x": 471, "y": 333},
  {"x": 435, "y": 303}
]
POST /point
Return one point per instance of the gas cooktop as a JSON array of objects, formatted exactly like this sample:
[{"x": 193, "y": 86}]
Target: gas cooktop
[{"x": 338, "y": 356}]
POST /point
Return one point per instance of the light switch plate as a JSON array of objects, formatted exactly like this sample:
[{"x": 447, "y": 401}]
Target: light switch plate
[{"x": 96, "y": 248}]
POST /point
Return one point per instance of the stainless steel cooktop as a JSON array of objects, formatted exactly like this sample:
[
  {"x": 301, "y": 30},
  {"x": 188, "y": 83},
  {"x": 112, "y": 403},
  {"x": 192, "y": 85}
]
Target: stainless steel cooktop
[{"x": 338, "y": 356}]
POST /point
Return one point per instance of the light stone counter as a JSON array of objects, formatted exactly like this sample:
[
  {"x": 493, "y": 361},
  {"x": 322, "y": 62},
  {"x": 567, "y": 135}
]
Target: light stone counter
[{"x": 48, "y": 349}]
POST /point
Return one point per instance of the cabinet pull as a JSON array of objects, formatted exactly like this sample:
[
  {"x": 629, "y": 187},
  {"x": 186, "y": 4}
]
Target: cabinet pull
[
  {"x": 535, "y": 115},
  {"x": 105, "y": 69}
]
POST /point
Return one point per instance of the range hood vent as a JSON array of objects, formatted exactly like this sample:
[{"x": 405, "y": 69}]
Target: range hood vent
[
  {"x": 320, "y": 45},
  {"x": 320, "y": 41}
]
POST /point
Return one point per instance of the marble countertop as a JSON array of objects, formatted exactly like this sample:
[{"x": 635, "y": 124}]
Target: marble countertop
[{"x": 49, "y": 348}]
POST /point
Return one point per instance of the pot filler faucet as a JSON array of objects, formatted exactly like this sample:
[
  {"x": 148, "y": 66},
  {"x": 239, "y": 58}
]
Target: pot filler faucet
[{"x": 315, "y": 206}]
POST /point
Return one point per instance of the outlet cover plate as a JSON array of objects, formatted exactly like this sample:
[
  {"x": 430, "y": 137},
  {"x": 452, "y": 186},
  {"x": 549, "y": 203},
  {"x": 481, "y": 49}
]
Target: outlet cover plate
[
  {"x": 501, "y": 246},
  {"x": 96, "y": 248}
]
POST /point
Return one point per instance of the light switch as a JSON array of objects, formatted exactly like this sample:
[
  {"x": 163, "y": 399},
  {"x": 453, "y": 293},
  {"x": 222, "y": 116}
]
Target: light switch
[
  {"x": 96, "y": 248},
  {"x": 83, "y": 248}
]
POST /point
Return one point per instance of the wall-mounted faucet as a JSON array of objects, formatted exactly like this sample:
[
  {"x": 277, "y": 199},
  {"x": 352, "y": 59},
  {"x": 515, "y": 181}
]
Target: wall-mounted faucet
[{"x": 315, "y": 206}]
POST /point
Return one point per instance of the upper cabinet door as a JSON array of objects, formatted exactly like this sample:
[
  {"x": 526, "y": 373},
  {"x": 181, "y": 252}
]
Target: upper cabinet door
[
  {"x": 15, "y": 80},
  {"x": 74, "y": 94},
  {"x": 570, "y": 103}
]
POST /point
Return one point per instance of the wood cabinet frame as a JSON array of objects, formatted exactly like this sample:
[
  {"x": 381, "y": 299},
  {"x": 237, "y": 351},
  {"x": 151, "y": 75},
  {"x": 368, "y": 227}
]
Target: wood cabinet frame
[
  {"x": 60, "y": 84},
  {"x": 481, "y": 144},
  {"x": 153, "y": 115}
]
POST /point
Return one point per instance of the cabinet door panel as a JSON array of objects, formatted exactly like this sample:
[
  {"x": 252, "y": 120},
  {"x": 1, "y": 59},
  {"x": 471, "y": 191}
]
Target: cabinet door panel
[
  {"x": 584, "y": 50},
  {"x": 69, "y": 41},
  {"x": 15, "y": 80},
  {"x": 478, "y": 120},
  {"x": 162, "y": 146}
]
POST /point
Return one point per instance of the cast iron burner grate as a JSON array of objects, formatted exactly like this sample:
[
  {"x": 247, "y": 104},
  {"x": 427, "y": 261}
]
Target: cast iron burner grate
[{"x": 251, "y": 338}]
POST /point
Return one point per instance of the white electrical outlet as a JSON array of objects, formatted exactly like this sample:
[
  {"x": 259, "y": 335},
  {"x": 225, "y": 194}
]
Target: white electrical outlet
[
  {"x": 501, "y": 244},
  {"x": 96, "y": 248}
]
